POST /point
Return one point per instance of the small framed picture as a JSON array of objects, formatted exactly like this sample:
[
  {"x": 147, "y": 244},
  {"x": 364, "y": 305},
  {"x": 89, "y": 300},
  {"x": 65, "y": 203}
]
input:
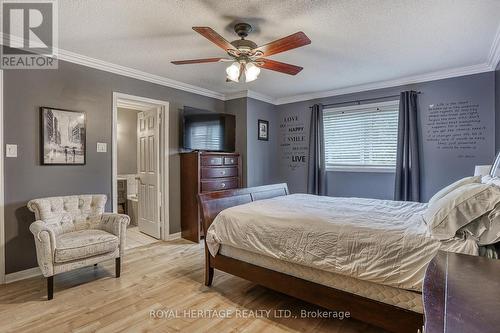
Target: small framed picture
[
  {"x": 63, "y": 137},
  {"x": 263, "y": 128}
]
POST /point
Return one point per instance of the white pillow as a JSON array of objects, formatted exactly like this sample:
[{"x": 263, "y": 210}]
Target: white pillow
[
  {"x": 444, "y": 191},
  {"x": 485, "y": 179},
  {"x": 486, "y": 229},
  {"x": 492, "y": 234},
  {"x": 492, "y": 181},
  {"x": 475, "y": 229},
  {"x": 459, "y": 208}
]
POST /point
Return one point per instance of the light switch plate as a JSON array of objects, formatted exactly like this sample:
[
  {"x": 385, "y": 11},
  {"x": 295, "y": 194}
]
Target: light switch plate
[
  {"x": 10, "y": 150},
  {"x": 102, "y": 147}
]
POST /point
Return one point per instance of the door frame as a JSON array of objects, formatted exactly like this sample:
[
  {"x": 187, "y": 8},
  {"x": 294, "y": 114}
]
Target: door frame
[
  {"x": 2, "y": 202},
  {"x": 143, "y": 103}
]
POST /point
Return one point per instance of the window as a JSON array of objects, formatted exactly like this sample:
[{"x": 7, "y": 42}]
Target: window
[
  {"x": 361, "y": 137},
  {"x": 206, "y": 135}
]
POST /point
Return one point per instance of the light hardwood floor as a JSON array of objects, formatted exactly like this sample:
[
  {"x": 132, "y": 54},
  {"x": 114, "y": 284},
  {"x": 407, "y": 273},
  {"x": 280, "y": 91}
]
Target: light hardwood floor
[
  {"x": 135, "y": 238},
  {"x": 160, "y": 276}
]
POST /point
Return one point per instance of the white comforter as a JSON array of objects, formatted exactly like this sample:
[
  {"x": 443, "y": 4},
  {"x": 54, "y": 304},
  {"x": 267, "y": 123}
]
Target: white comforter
[{"x": 385, "y": 242}]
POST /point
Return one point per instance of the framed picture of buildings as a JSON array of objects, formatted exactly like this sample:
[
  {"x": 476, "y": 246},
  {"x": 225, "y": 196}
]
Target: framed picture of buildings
[{"x": 63, "y": 140}]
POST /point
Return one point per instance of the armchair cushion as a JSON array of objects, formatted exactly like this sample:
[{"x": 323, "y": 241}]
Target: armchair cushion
[{"x": 81, "y": 244}]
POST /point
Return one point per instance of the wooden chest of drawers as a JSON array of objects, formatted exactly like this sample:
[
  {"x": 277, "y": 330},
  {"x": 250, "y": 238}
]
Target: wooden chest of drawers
[{"x": 204, "y": 172}]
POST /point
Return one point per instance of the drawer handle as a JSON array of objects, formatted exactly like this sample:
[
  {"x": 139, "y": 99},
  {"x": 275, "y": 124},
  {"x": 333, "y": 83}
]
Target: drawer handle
[
  {"x": 223, "y": 172},
  {"x": 223, "y": 185}
]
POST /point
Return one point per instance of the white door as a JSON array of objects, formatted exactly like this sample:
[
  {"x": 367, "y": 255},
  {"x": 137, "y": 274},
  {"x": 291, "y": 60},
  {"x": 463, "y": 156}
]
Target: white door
[{"x": 148, "y": 151}]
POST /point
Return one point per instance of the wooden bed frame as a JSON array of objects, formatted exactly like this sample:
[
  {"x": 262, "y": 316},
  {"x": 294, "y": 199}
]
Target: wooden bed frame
[{"x": 389, "y": 317}]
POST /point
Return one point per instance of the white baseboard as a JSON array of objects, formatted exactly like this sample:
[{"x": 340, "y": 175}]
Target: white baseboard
[
  {"x": 174, "y": 236},
  {"x": 35, "y": 271},
  {"x": 21, "y": 275}
]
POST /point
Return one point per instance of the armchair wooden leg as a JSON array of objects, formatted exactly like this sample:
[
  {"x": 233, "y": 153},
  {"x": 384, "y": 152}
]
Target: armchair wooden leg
[
  {"x": 50, "y": 287},
  {"x": 117, "y": 267}
]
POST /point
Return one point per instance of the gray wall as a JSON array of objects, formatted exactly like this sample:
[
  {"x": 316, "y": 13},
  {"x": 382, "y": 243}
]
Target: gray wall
[
  {"x": 260, "y": 163},
  {"x": 238, "y": 107},
  {"x": 497, "y": 104},
  {"x": 77, "y": 87},
  {"x": 438, "y": 169},
  {"x": 262, "y": 156},
  {"x": 72, "y": 87},
  {"x": 127, "y": 141}
]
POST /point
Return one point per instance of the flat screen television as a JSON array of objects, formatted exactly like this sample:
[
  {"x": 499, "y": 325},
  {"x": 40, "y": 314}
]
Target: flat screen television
[{"x": 207, "y": 131}]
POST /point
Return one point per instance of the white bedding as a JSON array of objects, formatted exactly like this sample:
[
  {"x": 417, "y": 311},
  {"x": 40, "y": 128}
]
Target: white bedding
[{"x": 384, "y": 242}]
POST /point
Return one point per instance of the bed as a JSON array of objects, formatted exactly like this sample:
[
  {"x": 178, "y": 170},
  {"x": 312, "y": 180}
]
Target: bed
[{"x": 376, "y": 272}]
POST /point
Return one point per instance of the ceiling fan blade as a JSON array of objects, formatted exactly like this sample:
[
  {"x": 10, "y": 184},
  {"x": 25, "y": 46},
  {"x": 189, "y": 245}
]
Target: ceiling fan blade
[
  {"x": 298, "y": 39},
  {"x": 197, "y": 61},
  {"x": 214, "y": 37},
  {"x": 278, "y": 66}
]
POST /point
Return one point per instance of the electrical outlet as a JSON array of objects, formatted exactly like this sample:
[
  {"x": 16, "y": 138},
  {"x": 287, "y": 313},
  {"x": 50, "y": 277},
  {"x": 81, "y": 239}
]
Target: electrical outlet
[
  {"x": 102, "y": 147},
  {"x": 10, "y": 150}
]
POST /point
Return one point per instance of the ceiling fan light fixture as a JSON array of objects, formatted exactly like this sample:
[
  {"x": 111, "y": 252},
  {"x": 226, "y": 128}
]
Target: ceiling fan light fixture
[
  {"x": 233, "y": 72},
  {"x": 251, "y": 72},
  {"x": 249, "y": 58}
]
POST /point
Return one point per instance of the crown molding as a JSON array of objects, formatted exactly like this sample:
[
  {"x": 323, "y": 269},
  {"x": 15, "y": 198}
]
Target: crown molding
[
  {"x": 490, "y": 65},
  {"x": 83, "y": 60},
  {"x": 251, "y": 94},
  {"x": 134, "y": 73},
  {"x": 261, "y": 97},
  {"x": 80, "y": 59},
  {"x": 438, "y": 75},
  {"x": 236, "y": 95}
]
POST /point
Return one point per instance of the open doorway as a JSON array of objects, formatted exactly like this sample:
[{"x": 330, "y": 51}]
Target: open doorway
[{"x": 140, "y": 166}]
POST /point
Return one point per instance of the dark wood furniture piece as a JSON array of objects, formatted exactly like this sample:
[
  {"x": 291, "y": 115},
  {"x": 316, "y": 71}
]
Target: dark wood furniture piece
[
  {"x": 122, "y": 196},
  {"x": 203, "y": 172},
  {"x": 462, "y": 294},
  {"x": 389, "y": 317}
]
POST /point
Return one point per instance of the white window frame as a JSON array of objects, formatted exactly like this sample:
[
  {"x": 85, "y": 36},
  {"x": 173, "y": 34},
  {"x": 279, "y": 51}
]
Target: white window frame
[{"x": 360, "y": 168}]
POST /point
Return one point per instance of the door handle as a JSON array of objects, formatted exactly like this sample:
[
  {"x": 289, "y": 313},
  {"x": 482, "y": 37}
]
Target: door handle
[{"x": 140, "y": 180}]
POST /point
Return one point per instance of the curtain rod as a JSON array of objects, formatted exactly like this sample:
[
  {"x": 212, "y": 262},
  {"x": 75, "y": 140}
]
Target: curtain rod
[{"x": 359, "y": 101}]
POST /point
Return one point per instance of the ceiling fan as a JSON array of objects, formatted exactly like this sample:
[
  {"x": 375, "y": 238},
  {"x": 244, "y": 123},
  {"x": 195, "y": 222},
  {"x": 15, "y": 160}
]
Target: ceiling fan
[{"x": 246, "y": 56}]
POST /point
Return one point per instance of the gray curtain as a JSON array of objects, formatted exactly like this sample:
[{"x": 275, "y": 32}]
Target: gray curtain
[
  {"x": 407, "y": 185},
  {"x": 316, "y": 178}
]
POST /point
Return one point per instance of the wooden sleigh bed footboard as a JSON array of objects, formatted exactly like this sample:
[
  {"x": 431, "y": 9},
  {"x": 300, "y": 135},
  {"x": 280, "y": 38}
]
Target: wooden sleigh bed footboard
[{"x": 389, "y": 317}]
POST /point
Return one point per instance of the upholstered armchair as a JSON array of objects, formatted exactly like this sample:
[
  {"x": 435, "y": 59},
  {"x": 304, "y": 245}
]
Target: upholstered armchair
[{"x": 73, "y": 231}]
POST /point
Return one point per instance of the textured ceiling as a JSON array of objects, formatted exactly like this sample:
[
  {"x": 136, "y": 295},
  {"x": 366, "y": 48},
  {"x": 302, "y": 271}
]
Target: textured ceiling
[{"x": 353, "y": 41}]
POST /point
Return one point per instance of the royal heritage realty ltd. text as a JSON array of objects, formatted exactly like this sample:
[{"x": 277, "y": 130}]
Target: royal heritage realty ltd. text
[{"x": 246, "y": 314}]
